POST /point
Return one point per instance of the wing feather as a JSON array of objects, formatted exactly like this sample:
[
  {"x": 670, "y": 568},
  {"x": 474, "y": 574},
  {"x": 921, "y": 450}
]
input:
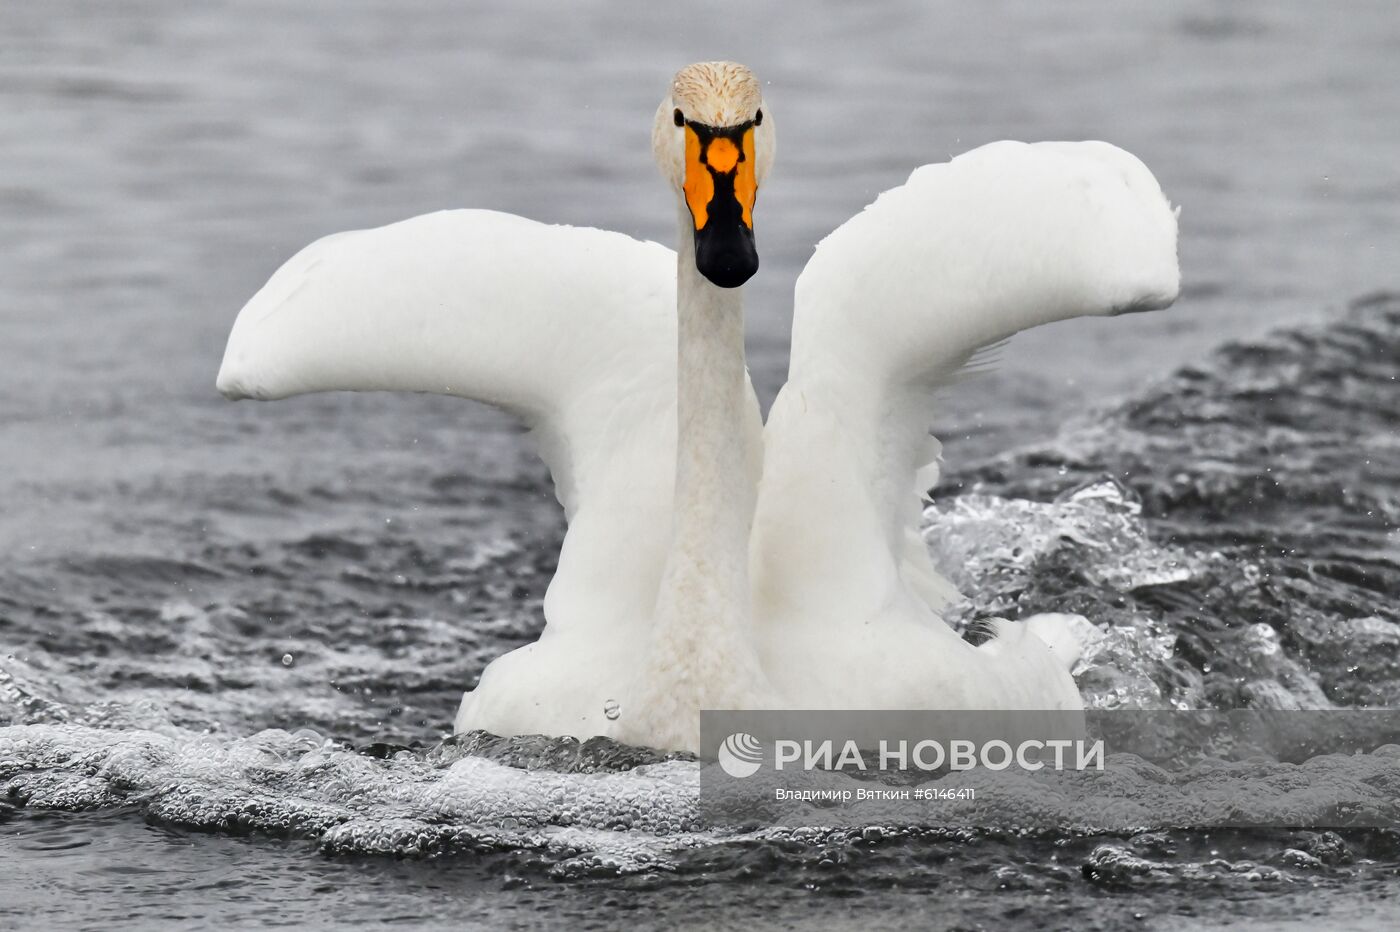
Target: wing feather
[
  {"x": 918, "y": 288},
  {"x": 572, "y": 329}
]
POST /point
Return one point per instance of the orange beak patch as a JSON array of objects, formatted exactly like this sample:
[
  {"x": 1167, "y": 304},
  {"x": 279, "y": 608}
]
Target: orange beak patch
[{"x": 719, "y": 163}]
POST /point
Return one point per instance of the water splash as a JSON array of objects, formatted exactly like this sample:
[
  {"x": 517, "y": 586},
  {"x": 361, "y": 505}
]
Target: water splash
[{"x": 1251, "y": 562}]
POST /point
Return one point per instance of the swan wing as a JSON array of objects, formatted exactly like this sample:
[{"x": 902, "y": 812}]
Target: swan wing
[
  {"x": 571, "y": 329},
  {"x": 897, "y": 302},
  {"x": 968, "y": 252}
]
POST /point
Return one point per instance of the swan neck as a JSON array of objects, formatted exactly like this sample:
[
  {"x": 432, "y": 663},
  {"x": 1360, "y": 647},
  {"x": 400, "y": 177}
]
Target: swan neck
[
  {"x": 701, "y": 653},
  {"x": 705, "y": 591},
  {"x": 714, "y": 506}
]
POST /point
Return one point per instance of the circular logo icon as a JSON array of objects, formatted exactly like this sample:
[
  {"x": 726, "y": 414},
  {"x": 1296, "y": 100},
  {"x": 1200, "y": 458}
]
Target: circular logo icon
[{"x": 740, "y": 755}]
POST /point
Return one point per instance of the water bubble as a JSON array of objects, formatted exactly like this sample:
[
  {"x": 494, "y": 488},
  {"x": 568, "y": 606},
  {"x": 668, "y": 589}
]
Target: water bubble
[
  {"x": 611, "y": 710},
  {"x": 288, "y": 660}
]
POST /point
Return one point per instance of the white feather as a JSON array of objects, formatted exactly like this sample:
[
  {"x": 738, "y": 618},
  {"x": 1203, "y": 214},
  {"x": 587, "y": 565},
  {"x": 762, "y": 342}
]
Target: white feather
[
  {"x": 573, "y": 330},
  {"x": 893, "y": 305}
]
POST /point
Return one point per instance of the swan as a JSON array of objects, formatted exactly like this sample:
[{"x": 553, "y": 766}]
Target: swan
[{"x": 711, "y": 561}]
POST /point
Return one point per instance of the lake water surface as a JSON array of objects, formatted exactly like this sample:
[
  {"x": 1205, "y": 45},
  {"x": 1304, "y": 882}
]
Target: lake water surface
[{"x": 232, "y": 636}]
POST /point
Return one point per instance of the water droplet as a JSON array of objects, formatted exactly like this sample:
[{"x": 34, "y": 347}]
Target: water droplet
[
  {"x": 288, "y": 660},
  {"x": 611, "y": 710}
]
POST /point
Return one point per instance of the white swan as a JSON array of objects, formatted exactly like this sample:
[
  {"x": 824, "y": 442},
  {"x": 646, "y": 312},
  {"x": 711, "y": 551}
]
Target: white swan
[{"x": 709, "y": 562}]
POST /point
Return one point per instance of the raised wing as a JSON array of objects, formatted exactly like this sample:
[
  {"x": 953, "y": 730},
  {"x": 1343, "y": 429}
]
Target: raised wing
[
  {"x": 572, "y": 329},
  {"x": 896, "y": 302}
]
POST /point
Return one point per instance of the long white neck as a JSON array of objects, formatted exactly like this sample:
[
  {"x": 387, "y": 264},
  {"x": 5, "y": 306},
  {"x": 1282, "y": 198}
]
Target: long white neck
[
  {"x": 714, "y": 495},
  {"x": 702, "y": 653}
]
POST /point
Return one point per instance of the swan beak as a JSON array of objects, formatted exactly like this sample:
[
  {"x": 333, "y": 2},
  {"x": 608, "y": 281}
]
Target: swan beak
[{"x": 720, "y": 190}]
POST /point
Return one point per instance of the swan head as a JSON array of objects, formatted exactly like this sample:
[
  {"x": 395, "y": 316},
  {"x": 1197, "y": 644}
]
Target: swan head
[{"x": 713, "y": 140}]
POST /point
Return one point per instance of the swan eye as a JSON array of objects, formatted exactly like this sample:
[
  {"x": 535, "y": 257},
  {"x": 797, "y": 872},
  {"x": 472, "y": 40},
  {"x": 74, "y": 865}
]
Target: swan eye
[
  {"x": 758, "y": 118},
  {"x": 679, "y": 117}
]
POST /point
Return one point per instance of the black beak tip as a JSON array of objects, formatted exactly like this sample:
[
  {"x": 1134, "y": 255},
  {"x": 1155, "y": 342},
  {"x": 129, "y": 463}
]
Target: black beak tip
[
  {"x": 727, "y": 261},
  {"x": 730, "y": 271}
]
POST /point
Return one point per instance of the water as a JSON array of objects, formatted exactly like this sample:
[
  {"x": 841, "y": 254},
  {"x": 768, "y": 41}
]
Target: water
[{"x": 233, "y": 636}]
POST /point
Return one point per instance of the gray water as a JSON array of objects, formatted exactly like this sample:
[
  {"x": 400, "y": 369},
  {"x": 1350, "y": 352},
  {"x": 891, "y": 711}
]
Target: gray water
[{"x": 231, "y": 637}]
